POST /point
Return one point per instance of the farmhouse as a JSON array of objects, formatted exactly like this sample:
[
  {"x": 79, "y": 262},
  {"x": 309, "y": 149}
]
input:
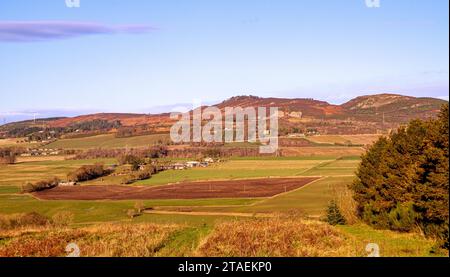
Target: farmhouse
[
  {"x": 179, "y": 166},
  {"x": 192, "y": 164},
  {"x": 208, "y": 160},
  {"x": 67, "y": 184}
]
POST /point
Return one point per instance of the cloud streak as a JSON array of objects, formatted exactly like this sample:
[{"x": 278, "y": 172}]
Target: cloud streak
[{"x": 34, "y": 31}]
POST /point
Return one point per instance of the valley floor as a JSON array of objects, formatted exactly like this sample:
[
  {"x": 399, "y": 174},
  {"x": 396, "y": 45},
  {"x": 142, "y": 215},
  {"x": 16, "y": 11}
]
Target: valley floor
[{"x": 196, "y": 227}]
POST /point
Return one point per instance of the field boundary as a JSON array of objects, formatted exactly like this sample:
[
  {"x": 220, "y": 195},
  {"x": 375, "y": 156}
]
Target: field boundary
[
  {"x": 322, "y": 164},
  {"x": 287, "y": 192},
  {"x": 255, "y": 188},
  {"x": 231, "y": 179},
  {"x": 233, "y": 214}
]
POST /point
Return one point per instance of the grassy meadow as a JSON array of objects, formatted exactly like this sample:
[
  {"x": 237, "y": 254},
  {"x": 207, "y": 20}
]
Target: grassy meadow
[
  {"x": 30, "y": 171},
  {"x": 180, "y": 231},
  {"x": 15, "y": 143},
  {"x": 13, "y": 176},
  {"x": 344, "y": 139},
  {"x": 175, "y": 236},
  {"x": 238, "y": 169}
]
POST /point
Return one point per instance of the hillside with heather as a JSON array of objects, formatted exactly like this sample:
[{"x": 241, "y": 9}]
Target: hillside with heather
[{"x": 362, "y": 115}]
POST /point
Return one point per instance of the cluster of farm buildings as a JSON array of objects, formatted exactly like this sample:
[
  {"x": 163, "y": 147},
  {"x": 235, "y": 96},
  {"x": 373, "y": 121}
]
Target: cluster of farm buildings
[
  {"x": 41, "y": 152},
  {"x": 190, "y": 164}
]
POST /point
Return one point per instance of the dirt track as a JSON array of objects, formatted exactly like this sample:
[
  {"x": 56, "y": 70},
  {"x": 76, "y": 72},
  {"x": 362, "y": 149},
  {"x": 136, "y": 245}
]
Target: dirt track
[{"x": 188, "y": 190}]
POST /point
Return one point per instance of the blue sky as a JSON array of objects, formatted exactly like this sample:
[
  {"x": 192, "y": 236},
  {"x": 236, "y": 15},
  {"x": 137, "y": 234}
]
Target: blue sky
[{"x": 96, "y": 60}]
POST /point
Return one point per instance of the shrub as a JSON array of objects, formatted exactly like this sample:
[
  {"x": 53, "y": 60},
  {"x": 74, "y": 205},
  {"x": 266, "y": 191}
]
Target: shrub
[
  {"x": 131, "y": 213},
  {"x": 88, "y": 172},
  {"x": 34, "y": 219},
  {"x": 62, "y": 219},
  {"x": 334, "y": 216},
  {"x": 139, "y": 175},
  {"x": 134, "y": 177},
  {"x": 7, "y": 156},
  {"x": 14, "y": 221},
  {"x": 41, "y": 185},
  {"x": 139, "y": 206},
  {"x": 132, "y": 160},
  {"x": 402, "y": 218},
  {"x": 127, "y": 180},
  {"x": 346, "y": 204}
]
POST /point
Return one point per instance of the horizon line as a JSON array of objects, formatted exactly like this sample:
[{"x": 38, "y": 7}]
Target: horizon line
[{"x": 80, "y": 112}]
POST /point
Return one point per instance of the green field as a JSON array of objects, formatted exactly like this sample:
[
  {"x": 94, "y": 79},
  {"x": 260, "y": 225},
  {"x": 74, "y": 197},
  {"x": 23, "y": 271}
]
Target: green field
[
  {"x": 99, "y": 211},
  {"x": 311, "y": 200},
  {"x": 238, "y": 169},
  {"x": 108, "y": 141},
  {"x": 19, "y": 173}
]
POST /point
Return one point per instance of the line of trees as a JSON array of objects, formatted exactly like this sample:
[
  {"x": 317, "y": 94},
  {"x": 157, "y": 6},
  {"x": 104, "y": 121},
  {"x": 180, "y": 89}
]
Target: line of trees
[
  {"x": 40, "y": 133},
  {"x": 94, "y": 125},
  {"x": 8, "y": 155},
  {"x": 140, "y": 174},
  {"x": 403, "y": 180},
  {"x": 88, "y": 172},
  {"x": 41, "y": 185},
  {"x": 153, "y": 152},
  {"x": 161, "y": 151},
  {"x": 141, "y": 130}
]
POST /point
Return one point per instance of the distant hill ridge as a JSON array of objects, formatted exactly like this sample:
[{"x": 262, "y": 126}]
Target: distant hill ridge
[{"x": 387, "y": 109}]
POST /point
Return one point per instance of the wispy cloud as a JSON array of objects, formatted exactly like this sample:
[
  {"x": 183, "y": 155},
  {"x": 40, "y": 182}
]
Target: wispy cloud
[{"x": 30, "y": 31}]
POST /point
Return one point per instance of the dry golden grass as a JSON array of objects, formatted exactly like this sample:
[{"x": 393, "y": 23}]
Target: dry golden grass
[
  {"x": 16, "y": 142},
  {"x": 8, "y": 142},
  {"x": 345, "y": 139},
  {"x": 276, "y": 237},
  {"x": 43, "y": 158},
  {"x": 362, "y": 139},
  {"x": 346, "y": 204},
  {"x": 321, "y": 151},
  {"x": 286, "y": 235},
  {"x": 108, "y": 240},
  {"x": 22, "y": 220}
]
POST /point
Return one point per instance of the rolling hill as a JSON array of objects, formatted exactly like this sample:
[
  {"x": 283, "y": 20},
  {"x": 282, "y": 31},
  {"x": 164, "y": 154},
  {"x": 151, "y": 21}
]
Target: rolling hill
[{"x": 364, "y": 114}]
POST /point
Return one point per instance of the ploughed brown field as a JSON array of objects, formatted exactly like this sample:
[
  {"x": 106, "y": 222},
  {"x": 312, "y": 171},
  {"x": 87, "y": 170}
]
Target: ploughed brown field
[{"x": 188, "y": 190}]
